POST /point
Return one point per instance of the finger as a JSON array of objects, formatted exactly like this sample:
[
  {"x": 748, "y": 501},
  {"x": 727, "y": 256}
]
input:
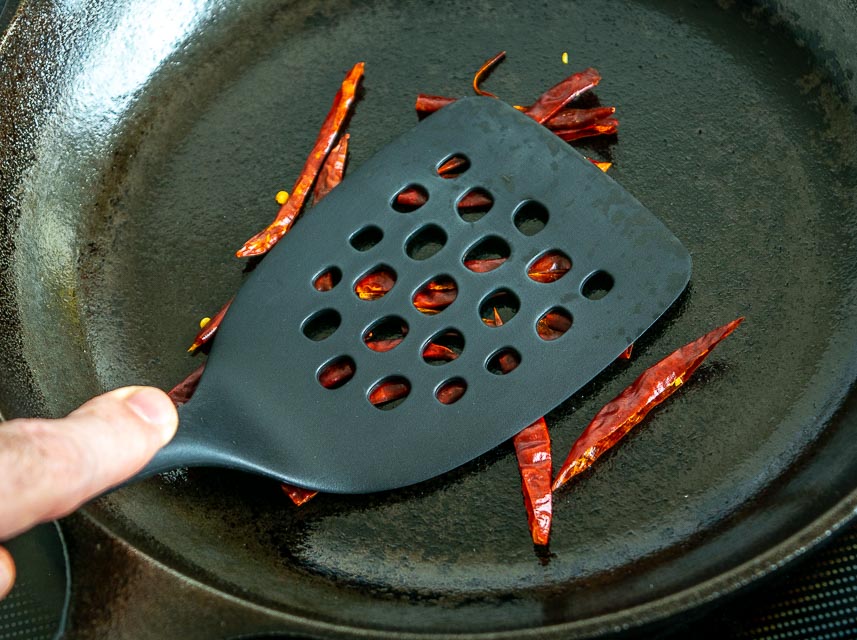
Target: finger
[
  {"x": 7, "y": 573},
  {"x": 50, "y": 467}
]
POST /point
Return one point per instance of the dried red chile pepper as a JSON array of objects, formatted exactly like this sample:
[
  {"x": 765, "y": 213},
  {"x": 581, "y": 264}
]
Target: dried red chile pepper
[
  {"x": 435, "y": 296},
  {"x": 382, "y": 344},
  {"x": 324, "y": 169},
  {"x": 576, "y": 118},
  {"x": 207, "y": 332},
  {"x": 553, "y": 325},
  {"x": 496, "y": 321},
  {"x": 547, "y": 106},
  {"x": 325, "y": 282},
  {"x": 483, "y": 72},
  {"x": 375, "y": 285},
  {"x": 389, "y": 391},
  {"x": 451, "y": 392},
  {"x": 533, "y": 450},
  {"x": 426, "y": 104},
  {"x": 298, "y": 495},
  {"x": 434, "y": 352},
  {"x": 333, "y": 169},
  {"x": 330, "y": 175},
  {"x": 386, "y": 335},
  {"x": 413, "y": 198},
  {"x": 484, "y": 265},
  {"x": 330, "y": 132},
  {"x": 628, "y": 409},
  {"x": 607, "y": 126},
  {"x": 559, "y": 95},
  {"x": 604, "y": 166},
  {"x": 335, "y": 374},
  {"x": 550, "y": 109},
  {"x": 550, "y": 267},
  {"x": 453, "y": 167},
  {"x": 183, "y": 391}
]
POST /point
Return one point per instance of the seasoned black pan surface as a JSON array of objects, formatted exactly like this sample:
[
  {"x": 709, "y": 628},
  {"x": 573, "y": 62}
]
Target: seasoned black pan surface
[{"x": 142, "y": 142}]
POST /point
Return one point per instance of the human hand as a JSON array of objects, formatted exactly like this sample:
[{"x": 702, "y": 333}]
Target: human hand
[{"x": 48, "y": 468}]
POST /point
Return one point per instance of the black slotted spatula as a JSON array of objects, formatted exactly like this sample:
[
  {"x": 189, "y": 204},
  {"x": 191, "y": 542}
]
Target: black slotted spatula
[{"x": 260, "y": 405}]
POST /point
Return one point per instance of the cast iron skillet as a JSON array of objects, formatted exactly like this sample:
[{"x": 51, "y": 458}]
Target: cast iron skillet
[{"x": 142, "y": 141}]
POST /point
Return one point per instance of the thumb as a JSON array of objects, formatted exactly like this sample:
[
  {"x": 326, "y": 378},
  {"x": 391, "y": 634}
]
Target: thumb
[
  {"x": 7, "y": 572},
  {"x": 50, "y": 467}
]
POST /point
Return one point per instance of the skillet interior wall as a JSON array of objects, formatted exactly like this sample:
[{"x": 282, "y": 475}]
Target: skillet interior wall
[
  {"x": 126, "y": 231},
  {"x": 67, "y": 137},
  {"x": 824, "y": 27}
]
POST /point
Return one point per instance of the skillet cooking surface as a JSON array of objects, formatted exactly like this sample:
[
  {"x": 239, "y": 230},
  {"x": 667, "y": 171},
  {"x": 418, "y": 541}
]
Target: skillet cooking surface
[{"x": 131, "y": 201}]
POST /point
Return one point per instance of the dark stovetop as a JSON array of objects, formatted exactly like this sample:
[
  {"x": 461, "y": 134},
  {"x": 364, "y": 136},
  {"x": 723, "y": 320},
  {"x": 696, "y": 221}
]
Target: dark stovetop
[{"x": 815, "y": 600}]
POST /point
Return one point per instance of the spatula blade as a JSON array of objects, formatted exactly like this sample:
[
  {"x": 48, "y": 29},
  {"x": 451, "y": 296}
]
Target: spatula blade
[{"x": 261, "y": 406}]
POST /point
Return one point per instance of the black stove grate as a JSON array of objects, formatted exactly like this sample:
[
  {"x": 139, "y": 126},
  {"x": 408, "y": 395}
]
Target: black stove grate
[
  {"x": 36, "y": 607},
  {"x": 817, "y": 602}
]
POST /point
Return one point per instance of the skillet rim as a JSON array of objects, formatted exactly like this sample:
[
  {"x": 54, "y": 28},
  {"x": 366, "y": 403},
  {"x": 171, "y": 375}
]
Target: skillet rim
[{"x": 730, "y": 582}]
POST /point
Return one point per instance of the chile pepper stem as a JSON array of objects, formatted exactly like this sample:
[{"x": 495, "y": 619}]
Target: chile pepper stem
[{"x": 484, "y": 72}]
